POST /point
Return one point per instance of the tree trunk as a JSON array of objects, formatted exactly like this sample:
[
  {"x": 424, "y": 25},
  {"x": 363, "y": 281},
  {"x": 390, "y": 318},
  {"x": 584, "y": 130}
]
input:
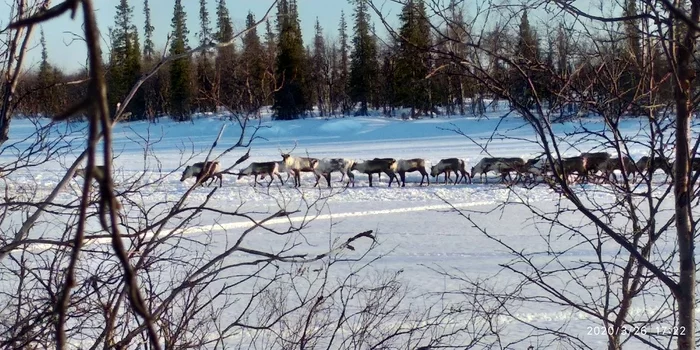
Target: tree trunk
[{"x": 685, "y": 292}]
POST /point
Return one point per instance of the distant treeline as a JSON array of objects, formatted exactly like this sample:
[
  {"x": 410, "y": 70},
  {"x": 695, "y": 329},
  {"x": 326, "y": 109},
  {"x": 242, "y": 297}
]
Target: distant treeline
[{"x": 416, "y": 68}]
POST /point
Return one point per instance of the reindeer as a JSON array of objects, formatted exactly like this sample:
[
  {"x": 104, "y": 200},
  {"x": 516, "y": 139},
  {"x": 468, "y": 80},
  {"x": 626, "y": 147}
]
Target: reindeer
[
  {"x": 504, "y": 166},
  {"x": 612, "y": 164},
  {"x": 483, "y": 167},
  {"x": 376, "y": 166},
  {"x": 298, "y": 165},
  {"x": 328, "y": 165},
  {"x": 645, "y": 164},
  {"x": 449, "y": 165},
  {"x": 594, "y": 161},
  {"x": 574, "y": 164},
  {"x": 386, "y": 160},
  {"x": 501, "y": 165},
  {"x": 98, "y": 173},
  {"x": 281, "y": 168},
  {"x": 410, "y": 165},
  {"x": 264, "y": 168},
  {"x": 535, "y": 167},
  {"x": 203, "y": 172}
]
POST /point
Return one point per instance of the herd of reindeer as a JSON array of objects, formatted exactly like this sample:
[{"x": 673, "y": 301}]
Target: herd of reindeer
[{"x": 601, "y": 165}]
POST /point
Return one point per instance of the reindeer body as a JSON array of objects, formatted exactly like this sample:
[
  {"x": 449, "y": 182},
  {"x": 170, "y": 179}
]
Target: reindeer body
[
  {"x": 612, "y": 164},
  {"x": 377, "y": 166},
  {"x": 203, "y": 171},
  {"x": 386, "y": 160},
  {"x": 98, "y": 173},
  {"x": 298, "y": 165},
  {"x": 504, "y": 166},
  {"x": 263, "y": 168},
  {"x": 484, "y": 167},
  {"x": 449, "y": 165},
  {"x": 282, "y": 169},
  {"x": 410, "y": 165},
  {"x": 326, "y": 166},
  {"x": 645, "y": 164},
  {"x": 594, "y": 162},
  {"x": 574, "y": 164},
  {"x": 535, "y": 167}
]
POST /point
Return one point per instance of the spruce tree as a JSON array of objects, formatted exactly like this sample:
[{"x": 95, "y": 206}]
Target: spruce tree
[
  {"x": 631, "y": 56},
  {"x": 527, "y": 49},
  {"x": 44, "y": 66},
  {"x": 180, "y": 88},
  {"x": 527, "y": 58},
  {"x": 291, "y": 100},
  {"x": 413, "y": 61},
  {"x": 253, "y": 68},
  {"x": 563, "y": 48},
  {"x": 47, "y": 78},
  {"x": 270, "y": 59},
  {"x": 148, "y": 46},
  {"x": 125, "y": 61},
  {"x": 364, "y": 64},
  {"x": 226, "y": 74},
  {"x": 150, "y": 86},
  {"x": 205, "y": 71},
  {"x": 321, "y": 71},
  {"x": 343, "y": 83}
]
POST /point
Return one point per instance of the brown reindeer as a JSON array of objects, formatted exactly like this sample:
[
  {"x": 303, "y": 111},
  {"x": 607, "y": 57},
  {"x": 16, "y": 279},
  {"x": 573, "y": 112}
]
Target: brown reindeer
[{"x": 449, "y": 165}]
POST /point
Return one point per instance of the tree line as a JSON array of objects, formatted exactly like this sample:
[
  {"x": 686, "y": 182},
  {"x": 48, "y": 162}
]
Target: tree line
[{"x": 413, "y": 69}]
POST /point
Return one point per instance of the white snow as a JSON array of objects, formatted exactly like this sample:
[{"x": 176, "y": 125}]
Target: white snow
[{"x": 418, "y": 232}]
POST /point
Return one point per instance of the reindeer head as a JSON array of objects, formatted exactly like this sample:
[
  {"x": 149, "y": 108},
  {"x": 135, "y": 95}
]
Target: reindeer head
[
  {"x": 188, "y": 173},
  {"x": 79, "y": 172},
  {"x": 434, "y": 170}
]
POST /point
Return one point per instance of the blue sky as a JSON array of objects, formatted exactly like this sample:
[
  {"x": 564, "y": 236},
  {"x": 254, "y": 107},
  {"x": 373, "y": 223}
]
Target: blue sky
[{"x": 70, "y": 54}]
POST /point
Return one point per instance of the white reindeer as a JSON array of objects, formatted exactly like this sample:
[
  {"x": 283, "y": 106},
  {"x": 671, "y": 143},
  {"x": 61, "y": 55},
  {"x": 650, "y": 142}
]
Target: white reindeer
[
  {"x": 263, "y": 168},
  {"x": 377, "y": 166},
  {"x": 326, "y": 166},
  {"x": 483, "y": 167},
  {"x": 203, "y": 172},
  {"x": 410, "y": 165},
  {"x": 298, "y": 165}
]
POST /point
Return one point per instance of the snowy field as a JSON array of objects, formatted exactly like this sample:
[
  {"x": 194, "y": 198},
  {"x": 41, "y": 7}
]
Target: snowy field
[{"x": 416, "y": 227}]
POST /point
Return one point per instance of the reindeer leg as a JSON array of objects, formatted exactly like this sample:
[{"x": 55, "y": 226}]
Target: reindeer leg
[
  {"x": 255, "y": 180},
  {"x": 272, "y": 179},
  {"x": 370, "y": 179},
  {"x": 403, "y": 179},
  {"x": 317, "y": 178},
  {"x": 297, "y": 178},
  {"x": 328, "y": 179},
  {"x": 280, "y": 177}
]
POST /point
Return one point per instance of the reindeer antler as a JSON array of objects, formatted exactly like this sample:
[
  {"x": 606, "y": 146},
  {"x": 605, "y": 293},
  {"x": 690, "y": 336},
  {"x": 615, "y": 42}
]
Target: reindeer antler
[{"x": 290, "y": 152}]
